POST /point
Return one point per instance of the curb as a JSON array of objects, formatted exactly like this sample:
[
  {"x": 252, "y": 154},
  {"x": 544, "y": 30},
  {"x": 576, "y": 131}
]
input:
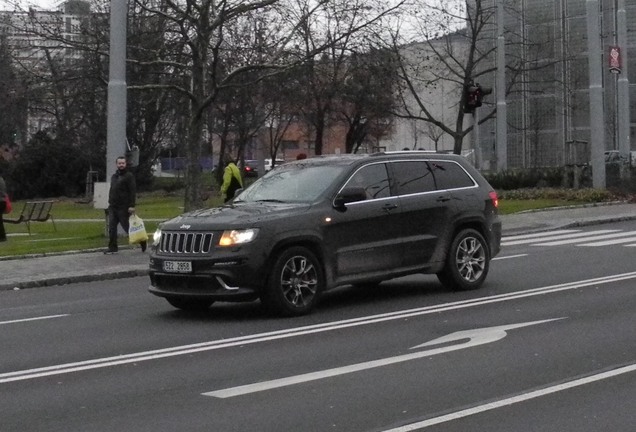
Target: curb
[
  {"x": 73, "y": 279},
  {"x": 50, "y": 254}
]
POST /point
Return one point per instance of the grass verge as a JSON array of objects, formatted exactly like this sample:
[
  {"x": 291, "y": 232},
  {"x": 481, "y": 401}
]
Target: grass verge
[{"x": 79, "y": 226}]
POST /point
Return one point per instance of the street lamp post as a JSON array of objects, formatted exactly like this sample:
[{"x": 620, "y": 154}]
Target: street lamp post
[
  {"x": 623, "y": 86},
  {"x": 501, "y": 138},
  {"x": 116, "y": 119},
  {"x": 597, "y": 113}
]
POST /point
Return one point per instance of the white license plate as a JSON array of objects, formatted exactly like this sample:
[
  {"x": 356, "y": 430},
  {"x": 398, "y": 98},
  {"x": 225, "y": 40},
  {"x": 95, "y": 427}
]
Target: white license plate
[{"x": 177, "y": 266}]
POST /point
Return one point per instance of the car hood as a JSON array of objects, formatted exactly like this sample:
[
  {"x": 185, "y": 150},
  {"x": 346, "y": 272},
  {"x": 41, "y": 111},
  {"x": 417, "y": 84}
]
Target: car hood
[{"x": 241, "y": 215}]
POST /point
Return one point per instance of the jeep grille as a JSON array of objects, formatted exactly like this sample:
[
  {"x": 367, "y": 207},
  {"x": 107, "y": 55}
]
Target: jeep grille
[{"x": 186, "y": 242}]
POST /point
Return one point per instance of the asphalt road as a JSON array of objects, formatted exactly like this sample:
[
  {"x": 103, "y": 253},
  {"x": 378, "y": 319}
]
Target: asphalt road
[{"x": 549, "y": 344}]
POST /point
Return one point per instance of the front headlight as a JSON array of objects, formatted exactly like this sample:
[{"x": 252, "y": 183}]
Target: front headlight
[
  {"x": 156, "y": 237},
  {"x": 237, "y": 237}
]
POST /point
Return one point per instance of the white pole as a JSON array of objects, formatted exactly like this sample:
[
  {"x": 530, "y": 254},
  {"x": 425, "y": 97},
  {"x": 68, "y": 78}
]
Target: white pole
[
  {"x": 597, "y": 113},
  {"x": 623, "y": 83},
  {"x": 501, "y": 137},
  {"x": 116, "y": 120}
]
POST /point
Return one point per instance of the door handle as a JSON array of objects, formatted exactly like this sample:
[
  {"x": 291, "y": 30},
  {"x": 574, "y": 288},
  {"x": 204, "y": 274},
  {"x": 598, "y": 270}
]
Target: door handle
[
  {"x": 389, "y": 207},
  {"x": 443, "y": 198}
]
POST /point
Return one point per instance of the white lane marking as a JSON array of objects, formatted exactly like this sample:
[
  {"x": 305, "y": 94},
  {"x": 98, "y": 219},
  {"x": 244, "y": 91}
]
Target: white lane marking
[
  {"x": 509, "y": 256},
  {"x": 592, "y": 237},
  {"x": 475, "y": 337},
  {"x": 299, "y": 331},
  {"x": 515, "y": 399},
  {"x": 549, "y": 236},
  {"x": 32, "y": 319},
  {"x": 540, "y": 234},
  {"x": 610, "y": 242}
]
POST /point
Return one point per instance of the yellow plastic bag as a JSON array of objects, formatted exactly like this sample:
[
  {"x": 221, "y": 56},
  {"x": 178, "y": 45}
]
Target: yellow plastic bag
[{"x": 136, "y": 230}]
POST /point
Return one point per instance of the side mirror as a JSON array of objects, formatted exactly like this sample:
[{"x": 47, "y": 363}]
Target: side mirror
[{"x": 349, "y": 195}]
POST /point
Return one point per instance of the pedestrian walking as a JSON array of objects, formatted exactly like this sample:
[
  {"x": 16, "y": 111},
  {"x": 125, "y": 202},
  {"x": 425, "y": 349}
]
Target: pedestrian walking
[
  {"x": 232, "y": 180},
  {"x": 3, "y": 195},
  {"x": 121, "y": 203}
]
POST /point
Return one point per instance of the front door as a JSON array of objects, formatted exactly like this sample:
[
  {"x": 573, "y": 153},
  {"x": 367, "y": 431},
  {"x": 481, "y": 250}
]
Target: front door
[{"x": 363, "y": 238}]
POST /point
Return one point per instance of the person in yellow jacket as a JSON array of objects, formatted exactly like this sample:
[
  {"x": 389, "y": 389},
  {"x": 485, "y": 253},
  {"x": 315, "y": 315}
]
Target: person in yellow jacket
[{"x": 231, "y": 178}]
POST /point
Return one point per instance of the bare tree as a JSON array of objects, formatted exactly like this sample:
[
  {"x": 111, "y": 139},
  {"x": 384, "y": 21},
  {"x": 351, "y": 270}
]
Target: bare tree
[
  {"x": 451, "y": 48},
  {"x": 367, "y": 96},
  {"x": 199, "y": 31}
]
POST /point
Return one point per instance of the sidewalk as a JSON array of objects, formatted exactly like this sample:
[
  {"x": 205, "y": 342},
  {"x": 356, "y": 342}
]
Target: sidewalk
[{"x": 83, "y": 266}]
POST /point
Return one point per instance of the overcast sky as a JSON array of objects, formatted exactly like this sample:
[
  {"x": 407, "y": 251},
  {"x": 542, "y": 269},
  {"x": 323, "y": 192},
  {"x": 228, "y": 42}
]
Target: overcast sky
[{"x": 24, "y": 4}]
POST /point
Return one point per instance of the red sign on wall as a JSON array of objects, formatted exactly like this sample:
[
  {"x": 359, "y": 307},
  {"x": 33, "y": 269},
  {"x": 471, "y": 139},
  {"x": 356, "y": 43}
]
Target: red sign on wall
[{"x": 615, "y": 60}]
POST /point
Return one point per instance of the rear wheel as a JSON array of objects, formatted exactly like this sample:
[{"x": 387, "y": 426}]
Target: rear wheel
[
  {"x": 189, "y": 304},
  {"x": 467, "y": 262},
  {"x": 295, "y": 282}
]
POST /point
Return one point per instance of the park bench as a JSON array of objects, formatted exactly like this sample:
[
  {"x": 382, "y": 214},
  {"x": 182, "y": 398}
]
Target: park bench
[{"x": 34, "y": 211}]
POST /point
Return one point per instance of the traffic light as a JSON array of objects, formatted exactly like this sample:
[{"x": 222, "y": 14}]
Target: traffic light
[{"x": 474, "y": 94}]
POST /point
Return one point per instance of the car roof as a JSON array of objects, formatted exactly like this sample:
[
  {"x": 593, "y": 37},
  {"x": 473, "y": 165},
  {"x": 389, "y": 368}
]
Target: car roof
[{"x": 351, "y": 158}]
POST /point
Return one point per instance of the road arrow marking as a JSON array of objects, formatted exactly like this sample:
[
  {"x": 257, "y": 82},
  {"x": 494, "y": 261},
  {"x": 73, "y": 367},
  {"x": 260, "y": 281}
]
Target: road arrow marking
[
  {"x": 480, "y": 336},
  {"x": 475, "y": 337}
]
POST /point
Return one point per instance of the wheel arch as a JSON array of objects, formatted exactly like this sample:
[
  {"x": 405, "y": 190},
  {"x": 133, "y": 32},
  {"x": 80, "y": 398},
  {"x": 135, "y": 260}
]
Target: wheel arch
[
  {"x": 310, "y": 242},
  {"x": 442, "y": 252}
]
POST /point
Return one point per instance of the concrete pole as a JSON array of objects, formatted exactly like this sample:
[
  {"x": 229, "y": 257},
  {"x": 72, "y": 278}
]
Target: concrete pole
[
  {"x": 476, "y": 140},
  {"x": 623, "y": 83},
  {"x": 501, "y": 137},
  {"x": 116, "y": 120},
  {"x": 597, "y": 112}
]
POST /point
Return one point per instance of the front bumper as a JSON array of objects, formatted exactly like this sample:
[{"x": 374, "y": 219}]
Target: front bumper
[{"x": 232, "y": 275}]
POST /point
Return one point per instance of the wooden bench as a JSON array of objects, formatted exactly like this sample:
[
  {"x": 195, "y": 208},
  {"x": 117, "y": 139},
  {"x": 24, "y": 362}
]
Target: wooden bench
[{"x": 34, "y": 211}]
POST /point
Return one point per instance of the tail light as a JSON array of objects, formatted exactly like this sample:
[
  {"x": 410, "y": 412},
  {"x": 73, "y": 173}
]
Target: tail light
[{"x": 494, "y": 198}]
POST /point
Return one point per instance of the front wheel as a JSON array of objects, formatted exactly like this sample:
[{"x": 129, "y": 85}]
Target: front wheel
[
  {"x": 467, "y": 262},
  {"x": 295, "y": 282}
]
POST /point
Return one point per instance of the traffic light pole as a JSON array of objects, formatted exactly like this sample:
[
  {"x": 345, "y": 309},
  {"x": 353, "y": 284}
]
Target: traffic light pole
[{"x": 476, "y": 140}]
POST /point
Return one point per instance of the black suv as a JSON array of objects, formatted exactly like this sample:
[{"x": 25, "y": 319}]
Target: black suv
[{"x": 314, "y": 224}]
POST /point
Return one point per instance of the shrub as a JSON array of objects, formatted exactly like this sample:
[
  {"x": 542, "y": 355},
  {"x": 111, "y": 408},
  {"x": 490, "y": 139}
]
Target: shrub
[
  {"x": 48, "y": 167},
  {"x": 578, "y": 195},
  {"x": 526, "y": 178}
]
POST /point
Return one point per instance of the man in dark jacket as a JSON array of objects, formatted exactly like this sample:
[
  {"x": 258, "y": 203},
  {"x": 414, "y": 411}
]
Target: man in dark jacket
[{"x": 121, "y": 203}]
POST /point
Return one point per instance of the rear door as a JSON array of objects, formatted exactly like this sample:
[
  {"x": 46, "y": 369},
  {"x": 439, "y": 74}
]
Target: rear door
[{"x": 425, "y": 215}]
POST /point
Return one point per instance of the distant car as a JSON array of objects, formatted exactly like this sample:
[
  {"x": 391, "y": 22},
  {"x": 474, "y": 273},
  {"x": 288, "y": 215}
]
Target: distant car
[
  {"x": 316, "y": 224},
  {"x": 268, "y": 164},
  {"x": 250, "y": 169}
]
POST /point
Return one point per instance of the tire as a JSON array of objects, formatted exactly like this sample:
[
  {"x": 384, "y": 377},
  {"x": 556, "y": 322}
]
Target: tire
[
  {"x": 467, "y": 262},
  {"x": 295, "y": 283},
  {"x": 189, "y": 304}
]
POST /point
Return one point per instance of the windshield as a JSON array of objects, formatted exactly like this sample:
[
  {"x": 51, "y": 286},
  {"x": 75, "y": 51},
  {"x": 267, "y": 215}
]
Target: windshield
[{"x": 292, "y": 183}]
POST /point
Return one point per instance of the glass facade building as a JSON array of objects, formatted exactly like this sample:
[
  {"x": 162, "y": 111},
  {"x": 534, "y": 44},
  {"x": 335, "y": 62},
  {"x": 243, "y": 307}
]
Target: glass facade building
[{"x": 548, "y": 111}]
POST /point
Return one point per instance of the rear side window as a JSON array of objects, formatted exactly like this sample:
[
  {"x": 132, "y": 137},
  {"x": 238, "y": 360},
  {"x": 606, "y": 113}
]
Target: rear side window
[
  {"x": 413, "y": 177},
  {"x": 450, "y": 175}
]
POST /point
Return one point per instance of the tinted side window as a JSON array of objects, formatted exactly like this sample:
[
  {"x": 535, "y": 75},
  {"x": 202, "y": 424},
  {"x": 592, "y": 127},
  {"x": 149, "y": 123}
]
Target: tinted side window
[
  {"x": 374, "y": 180},
  {"x": 413, "y": 177},
  {"x": 450, "y": 175}
]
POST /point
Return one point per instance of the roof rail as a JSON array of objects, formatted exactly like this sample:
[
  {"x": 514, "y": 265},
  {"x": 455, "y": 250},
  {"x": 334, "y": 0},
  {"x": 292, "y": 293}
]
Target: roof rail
[{"x": 392, "y": 152}]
